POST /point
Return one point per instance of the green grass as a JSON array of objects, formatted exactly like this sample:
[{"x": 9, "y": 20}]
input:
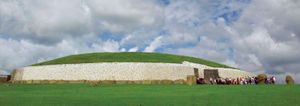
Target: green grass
[
  {"x": 149, "y": 95},
  {"x": 129, "y": 57}
]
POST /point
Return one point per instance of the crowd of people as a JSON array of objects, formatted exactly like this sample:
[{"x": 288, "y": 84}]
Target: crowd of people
[{"x": 236, "y": 81}]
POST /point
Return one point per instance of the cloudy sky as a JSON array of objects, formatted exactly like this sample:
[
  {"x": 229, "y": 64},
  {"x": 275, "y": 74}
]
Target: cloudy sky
[{"x": 259, "y": 36}]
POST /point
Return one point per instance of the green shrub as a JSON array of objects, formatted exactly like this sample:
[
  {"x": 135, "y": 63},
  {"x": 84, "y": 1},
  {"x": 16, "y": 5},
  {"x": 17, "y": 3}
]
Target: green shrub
[
  {"x": 289, "y": 80},
  {"x": 261, "y": 78}
]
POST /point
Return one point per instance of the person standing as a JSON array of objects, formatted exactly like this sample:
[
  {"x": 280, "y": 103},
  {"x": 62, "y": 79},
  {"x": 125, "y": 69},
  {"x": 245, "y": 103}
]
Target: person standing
[
  {"x": 211, "y": 81},
  {"x": 273, "y": 79},
  {"x": 253, "y": 80},
  {"x": 256, "y": 80},
  {"x": 266, "y": 80}
]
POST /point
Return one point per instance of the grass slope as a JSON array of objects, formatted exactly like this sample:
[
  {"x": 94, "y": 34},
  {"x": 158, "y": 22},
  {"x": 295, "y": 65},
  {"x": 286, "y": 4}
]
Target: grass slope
[
  {"x": 149, "y": 95},
  {"x": 128, "y": 57}
]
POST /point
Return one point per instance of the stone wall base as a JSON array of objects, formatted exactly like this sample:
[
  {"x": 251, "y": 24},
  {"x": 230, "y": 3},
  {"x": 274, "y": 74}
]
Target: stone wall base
[{"x": 181, "y": 81}]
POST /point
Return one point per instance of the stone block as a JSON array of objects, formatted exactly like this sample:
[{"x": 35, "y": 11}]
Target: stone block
[
  {"x": 146, "y": 82},
  {"x": 180, "y": 81},
  {"x": 108, "y": 82},
  {"x": 155, "y": 81},
  {"x": 122, "y": 82},
  {"x": 52, "y": 81},
  {"x": 166, "y": 82},
  {"x": 191, "y": 80},
  {"x": 138, "y": 82}
]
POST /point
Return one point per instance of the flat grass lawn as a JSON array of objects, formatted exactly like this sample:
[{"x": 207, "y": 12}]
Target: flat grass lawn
[{"x": 149, "y": 95}]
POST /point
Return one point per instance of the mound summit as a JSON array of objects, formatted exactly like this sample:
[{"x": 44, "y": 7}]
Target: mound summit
[{"x": 129, "y": 57}]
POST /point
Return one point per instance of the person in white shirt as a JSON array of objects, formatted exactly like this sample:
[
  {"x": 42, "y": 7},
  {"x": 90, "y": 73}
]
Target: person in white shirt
[
  {"x": 211, "y": 81},
  {"x": 273, "y": 80}
]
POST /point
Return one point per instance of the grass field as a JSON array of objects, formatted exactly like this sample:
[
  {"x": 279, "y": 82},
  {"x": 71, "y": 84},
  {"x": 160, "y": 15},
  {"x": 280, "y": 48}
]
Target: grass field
[
  {"x": 149, "y": 95},
  {"x": 129, "y": 57}
]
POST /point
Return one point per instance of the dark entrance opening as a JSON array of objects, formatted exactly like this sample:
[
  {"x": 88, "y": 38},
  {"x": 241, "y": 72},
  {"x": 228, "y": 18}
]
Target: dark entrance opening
[
  {"x": 196, "y": 72},
  {"x": 8, "y": 78},
  {"x": 210, "y": 73},
  {"x": 198, "y": 79}
]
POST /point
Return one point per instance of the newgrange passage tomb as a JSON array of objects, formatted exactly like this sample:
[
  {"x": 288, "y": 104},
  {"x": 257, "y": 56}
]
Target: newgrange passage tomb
[{"x": 124, "y": 66}]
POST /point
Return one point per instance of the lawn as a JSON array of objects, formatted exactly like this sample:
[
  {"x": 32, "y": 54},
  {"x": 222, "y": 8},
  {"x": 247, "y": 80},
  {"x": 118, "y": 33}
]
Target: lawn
[
  {"x": 148, "y": 95},
  {"x": 128, "y": 57}
]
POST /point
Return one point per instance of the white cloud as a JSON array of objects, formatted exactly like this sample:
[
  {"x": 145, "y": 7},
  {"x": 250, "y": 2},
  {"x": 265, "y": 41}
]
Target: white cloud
[
  {"x": 124, "y": 15},
  {"x": 22, "y": 53},
  {"x": 123, "y": 50},
  {"x": 126, "y": 39},
  {"x": 255, "y": 60},
  {"x": 230, "y": 63},
  {"x": 264, "y": 30},
  {"x": 134, "y": 49},
  {"x": 19, "y": 53},
  {"x": 257, "y": 36},
  {"x": 48, "y": 22},
  {"x": 33, "y": 31},
  {"x": 154, "y": 44},
  {"x": 107, "y": 46},
  {"x": 262, "y": 39},
  {"x": 2, "y": 72}
]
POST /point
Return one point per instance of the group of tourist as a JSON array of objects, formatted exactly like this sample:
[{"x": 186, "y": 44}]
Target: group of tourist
[{"x": 237, "y": 81}]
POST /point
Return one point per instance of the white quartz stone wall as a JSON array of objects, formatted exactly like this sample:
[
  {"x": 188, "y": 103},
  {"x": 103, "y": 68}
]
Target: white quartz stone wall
[
  {"x": 120, "y": 71},
  {"x": 233, "y": 73},
  {"x": 223, "y": 72},
  {"x": 108, "y": 71}
]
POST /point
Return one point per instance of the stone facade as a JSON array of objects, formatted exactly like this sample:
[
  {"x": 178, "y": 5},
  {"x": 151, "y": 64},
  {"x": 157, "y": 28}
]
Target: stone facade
[
  {"x": 118, "y": 71},
  {"x": 223, "y": 72}
]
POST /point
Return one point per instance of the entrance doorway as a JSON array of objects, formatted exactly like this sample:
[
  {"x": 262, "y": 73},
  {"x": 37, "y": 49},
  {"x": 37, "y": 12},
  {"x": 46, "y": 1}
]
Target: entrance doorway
[
  {"x": 210, "y": 73},
  {"x": 8, "y": 78},
  {"x": 196, "y": 72}
]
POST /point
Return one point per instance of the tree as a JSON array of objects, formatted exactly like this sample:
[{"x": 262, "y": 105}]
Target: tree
[
  {"x": 289, "y": 80},
  {"x": 261, "y": 78}
]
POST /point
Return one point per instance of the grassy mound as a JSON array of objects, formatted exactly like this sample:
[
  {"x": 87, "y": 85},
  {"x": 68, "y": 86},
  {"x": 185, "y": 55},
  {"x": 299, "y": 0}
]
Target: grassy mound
[{"x": 128, "y": 57}]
